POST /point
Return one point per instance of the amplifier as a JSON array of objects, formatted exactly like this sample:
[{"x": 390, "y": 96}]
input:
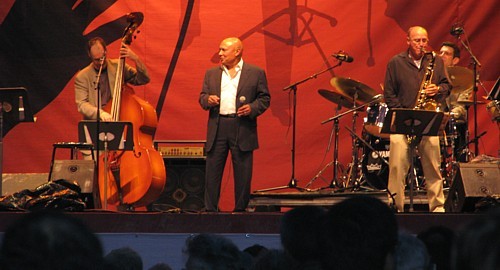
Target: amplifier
[
  {"x": 181, "y": 152},
  {"x": 181, "y": 148}
]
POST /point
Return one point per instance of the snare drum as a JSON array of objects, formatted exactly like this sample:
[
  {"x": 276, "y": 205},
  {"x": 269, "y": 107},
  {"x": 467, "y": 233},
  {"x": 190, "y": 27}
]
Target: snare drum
[
  {"x": 374, "y": 120},
  {"x": 493, "y": 109}
]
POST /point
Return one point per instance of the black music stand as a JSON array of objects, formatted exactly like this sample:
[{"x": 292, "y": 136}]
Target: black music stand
[
  {"x": 14, "y": 108},
  {"x": 414, "y": 124},
  {"x": 112, "y": 136}
]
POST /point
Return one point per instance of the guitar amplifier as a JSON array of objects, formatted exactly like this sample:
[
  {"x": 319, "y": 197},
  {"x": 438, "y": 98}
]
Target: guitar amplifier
[
  {"x": 185, "y": 188},
  {"x": 181, "y": 148}
]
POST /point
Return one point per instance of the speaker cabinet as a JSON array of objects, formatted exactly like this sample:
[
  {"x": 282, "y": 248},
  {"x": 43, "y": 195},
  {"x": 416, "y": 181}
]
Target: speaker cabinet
[
  {"x": 185, "y": 187},
  {"x": 473, "y": 182},
  {"x": 80, "y": 171}
]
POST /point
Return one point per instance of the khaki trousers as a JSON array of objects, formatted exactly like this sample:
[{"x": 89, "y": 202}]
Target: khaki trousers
[{"x": 399, "y": 164}]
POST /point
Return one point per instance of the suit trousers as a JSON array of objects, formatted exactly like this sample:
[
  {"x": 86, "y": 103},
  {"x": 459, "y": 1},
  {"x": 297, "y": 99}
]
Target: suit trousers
[
  {"x": 226, "y": 141},
  {"x": 399, "y": 164}
]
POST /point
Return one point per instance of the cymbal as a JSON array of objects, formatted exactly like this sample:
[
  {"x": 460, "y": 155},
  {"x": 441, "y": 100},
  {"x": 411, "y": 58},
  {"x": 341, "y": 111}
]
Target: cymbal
[
  {"x": 337, "y": 98},
  {"x": 351, "y": 87},
  {"x": 462, "y": 79}
]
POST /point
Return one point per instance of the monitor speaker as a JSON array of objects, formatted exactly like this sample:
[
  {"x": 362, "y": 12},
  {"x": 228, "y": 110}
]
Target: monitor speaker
[
  {"x": 476, "y": 186},
  {"x": 185, "y": 187}
]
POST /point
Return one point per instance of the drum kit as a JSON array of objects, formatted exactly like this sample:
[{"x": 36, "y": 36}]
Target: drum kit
[
  {"x": 369, "y": 167},
  {"x": 373, "y": 145}
]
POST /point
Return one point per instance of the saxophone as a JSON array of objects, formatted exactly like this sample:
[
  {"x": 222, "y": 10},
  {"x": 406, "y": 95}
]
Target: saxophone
[{"x": 423, "y": 101}]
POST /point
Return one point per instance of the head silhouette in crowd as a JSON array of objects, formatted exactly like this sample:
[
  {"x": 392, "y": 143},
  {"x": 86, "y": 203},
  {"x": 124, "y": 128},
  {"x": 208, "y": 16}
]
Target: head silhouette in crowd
[
  {"x": 211, "y": 251},
  {"x": 358, "y": 233}
]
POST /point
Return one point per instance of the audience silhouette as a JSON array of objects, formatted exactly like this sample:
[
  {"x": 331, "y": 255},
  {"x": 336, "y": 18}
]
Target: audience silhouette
[
  {"x": 211, "y": 251},
  {"x": 478, "y": 244},
  {"x": 48, "y": 239},
  {"x": 124, "y": 258},
  {"x": 411, "y": 253},
  {"x": 299, "y": 235},
  {"x": 439, "y": 240},
  {"x": 358, "y": 233}
]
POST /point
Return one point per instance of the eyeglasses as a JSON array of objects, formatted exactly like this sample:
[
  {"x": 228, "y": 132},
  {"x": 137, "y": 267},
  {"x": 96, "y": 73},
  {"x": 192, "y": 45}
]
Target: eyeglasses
[{"x": 420, "y": 40}]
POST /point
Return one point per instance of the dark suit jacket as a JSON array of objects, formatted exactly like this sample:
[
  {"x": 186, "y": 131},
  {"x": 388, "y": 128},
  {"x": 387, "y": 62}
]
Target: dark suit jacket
[{"x": 253, "y": 86}]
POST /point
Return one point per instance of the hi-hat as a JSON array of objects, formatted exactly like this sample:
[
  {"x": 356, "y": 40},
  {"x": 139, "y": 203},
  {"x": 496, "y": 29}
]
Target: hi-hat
[
  {"x": 352, "y": 87},
  {"x": 462, "y": 79},
  {"x": 337, "y": 98}
]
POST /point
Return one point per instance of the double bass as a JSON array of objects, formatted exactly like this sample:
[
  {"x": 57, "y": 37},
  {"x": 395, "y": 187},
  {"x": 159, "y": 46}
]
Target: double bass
[{"x": 133, "y": 178}]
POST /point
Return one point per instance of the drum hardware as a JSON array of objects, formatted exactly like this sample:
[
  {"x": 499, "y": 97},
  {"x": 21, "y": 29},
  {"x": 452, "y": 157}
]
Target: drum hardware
[
  {"x": 353, "y": 179},
  {"x": 341, "y": 100},
  {"x": 362, "y": 93}
]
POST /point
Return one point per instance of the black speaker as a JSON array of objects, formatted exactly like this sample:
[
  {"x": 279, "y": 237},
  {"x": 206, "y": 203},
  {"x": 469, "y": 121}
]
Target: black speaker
[
  {"x": 474, "y": 183},
  {"x": 185, "y": 187}
]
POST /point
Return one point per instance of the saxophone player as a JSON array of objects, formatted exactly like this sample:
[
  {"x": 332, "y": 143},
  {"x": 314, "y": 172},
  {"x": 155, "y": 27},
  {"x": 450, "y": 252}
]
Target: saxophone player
[{"x": 403, "y": 80}]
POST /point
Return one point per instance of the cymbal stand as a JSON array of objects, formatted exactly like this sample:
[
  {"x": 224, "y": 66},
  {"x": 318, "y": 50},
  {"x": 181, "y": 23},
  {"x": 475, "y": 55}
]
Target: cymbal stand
[
  {"x": 353, "y": 171},
  {"x": 336, "y": 165},
  {"x": 475, "y": 63},
  {"x": 293, "y": 181}
]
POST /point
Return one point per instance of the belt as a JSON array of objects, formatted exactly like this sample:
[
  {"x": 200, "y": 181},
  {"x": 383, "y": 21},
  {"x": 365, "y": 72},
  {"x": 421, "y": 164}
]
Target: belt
[{"x": 232, "y": 115}]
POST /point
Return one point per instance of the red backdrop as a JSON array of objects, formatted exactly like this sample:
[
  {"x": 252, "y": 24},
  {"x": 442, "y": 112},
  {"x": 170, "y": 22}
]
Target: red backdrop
[{"x": 291, "y": 40}]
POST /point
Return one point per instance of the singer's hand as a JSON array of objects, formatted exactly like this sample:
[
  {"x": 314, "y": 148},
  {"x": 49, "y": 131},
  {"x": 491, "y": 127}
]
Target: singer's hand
[
  {"x": 431, "y": 90},
  {"x": 244, "y": 110},
  {"x": 213, "y": 100}
]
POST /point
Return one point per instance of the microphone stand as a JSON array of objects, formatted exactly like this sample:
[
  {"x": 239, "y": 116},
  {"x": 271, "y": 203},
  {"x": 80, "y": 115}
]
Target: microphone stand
[
  {"x": 475, "y": 63},
  {"x": 98, "y": 124},
  {"x": 293, "y": 181}
]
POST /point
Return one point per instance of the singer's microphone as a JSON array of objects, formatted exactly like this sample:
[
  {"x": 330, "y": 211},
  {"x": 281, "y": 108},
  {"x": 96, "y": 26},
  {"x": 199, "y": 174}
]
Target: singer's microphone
[
  {"x": 21, "y": 108},
  {"x": 343, "y": 57},
  {"x": 243, "y": 99},
  {"x": 456, "y": 30}
]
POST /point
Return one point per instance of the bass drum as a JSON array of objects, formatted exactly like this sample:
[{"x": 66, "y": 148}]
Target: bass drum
[{"x": 374, "y": 166}]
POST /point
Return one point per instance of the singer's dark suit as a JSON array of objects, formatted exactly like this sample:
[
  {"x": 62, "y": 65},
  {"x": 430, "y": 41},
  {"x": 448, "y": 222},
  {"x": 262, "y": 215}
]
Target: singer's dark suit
[{"x": 238, "y": 135}]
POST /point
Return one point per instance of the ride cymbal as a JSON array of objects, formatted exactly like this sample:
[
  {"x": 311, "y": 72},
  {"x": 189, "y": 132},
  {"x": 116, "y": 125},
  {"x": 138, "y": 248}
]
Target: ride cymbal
[
  {"x": 337, "y": 98},
  {"x": 462, "y": 79},
  {"x": 352, "y": 87}
]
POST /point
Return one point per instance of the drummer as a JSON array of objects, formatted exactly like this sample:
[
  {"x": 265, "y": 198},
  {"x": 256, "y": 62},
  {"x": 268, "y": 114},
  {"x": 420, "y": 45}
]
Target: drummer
[{"x": 450, "y": 53}]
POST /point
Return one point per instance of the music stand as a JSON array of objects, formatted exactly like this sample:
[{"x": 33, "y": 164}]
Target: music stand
[
  {"x": 414, "y": 124},
  {"x": 112, "y": 136},
  {"x": 14, "y": 108}
]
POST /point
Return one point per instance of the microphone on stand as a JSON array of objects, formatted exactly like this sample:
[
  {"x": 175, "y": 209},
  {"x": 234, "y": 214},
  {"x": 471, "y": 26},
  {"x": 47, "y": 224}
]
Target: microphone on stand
[
  {"x": 456, "y": 30},
  {"x": 344, "y": 57}
]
